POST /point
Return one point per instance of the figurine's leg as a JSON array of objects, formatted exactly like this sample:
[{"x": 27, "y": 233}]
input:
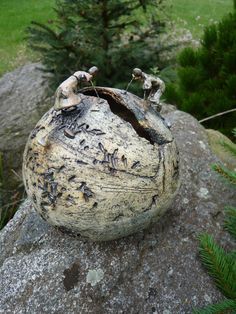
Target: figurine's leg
[
  {"x": 146, "y": 94},
  {"x": 155, "y": 97},
  {"x": 155, "y": 100}
]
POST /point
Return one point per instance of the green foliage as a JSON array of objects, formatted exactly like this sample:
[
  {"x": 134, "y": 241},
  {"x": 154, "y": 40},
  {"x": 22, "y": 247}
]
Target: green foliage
[
  {"x": 230, "y": 222},
  {"x": 13, "y": 50},
  {"x": 207, "y": 75},
  {"x": 168, "y": 74},
  {"x": 230, "y": 148},
  {"x": 114, "y": 35},
  {"x": 226, "y": 173},
  {"x": 221, "y": 267},
  {"x": 9, "y": 199},
  {"x": 187, "y": 57},
  {"x": 171, "y": 95},
  {"x": 9, "y": 209},
  {"x": 232, "y": 254},
  {"x": 224, "y": 307},
  {"x": 186, "y": 14},
  {"x": 1, "y": 183},
  {"x": 229, "y": 175}
]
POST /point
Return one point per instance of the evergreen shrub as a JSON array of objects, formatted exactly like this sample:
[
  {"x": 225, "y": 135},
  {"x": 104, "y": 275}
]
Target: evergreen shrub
[
  {"x": 116, "y": 36},
  {"x": 207, "y": 76}
]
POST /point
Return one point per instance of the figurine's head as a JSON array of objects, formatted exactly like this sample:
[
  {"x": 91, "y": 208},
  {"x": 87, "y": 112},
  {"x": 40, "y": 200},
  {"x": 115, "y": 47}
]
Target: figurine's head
[
  {"x": 82, "y": 77},
  {"x": 137, "y": 74},
  {"x": 93, "y": 70}
]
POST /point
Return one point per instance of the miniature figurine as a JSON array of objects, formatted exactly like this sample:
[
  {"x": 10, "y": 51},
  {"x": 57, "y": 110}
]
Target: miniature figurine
[
  {"x": 66, "y": 96},
  {"x": 153, "y": 87}
]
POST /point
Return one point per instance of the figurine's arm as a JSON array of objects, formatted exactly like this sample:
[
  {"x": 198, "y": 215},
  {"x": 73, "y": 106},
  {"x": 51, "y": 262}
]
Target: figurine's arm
[{"x": 147, "y": 84}]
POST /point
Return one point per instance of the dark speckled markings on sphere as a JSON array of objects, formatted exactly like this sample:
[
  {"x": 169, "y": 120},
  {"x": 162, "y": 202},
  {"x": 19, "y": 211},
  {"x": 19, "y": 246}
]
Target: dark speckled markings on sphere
[
  {"x": 69, "y": 133},
  {"x": 107, "y": 169}
]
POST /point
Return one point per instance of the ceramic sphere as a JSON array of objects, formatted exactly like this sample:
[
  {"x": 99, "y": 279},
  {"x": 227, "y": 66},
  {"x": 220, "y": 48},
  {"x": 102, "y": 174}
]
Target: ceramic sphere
[{"x": 103, "y": 169}]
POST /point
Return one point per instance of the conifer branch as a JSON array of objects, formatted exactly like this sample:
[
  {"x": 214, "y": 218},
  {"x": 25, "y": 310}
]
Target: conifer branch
[
  {"x": 219, "y": 265},
  {"x": 225, "y": 173},
  {"x": 230, "y": 221},
  {"x": 88, "y": 32},
  {"x": 231, "y": 148},
  {"x": 232, "y": 255},
  {"x": 226, "y": 306}
]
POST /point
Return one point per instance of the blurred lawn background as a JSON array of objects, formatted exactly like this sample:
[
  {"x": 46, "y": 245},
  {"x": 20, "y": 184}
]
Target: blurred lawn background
[
  {"x": 195, "y": 15},
  {"x": 16, "y": 15}
]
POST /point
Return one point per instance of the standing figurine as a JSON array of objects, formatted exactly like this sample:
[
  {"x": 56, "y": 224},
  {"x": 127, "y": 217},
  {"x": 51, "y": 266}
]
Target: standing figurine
[
  {"x": 66, "y": 96},
  {"x": 153, "y": 87}
]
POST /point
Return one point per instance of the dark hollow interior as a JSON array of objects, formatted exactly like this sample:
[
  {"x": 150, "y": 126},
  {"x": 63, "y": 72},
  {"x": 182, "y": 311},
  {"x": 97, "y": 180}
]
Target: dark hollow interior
[{"x": 121, "y": 111}]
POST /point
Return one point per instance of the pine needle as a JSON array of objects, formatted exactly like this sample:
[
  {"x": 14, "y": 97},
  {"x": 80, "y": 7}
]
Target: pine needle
[
  {"x": 220, "y": 266},
  {"x": 226, "y": 173},
  {"x": 234, "y": 132},
  {"x": 231, "y": 148},
  {"x": 224, "y": 307},
  {"x": 232, "y": 255},
  {"x": 230, "y": 221}
]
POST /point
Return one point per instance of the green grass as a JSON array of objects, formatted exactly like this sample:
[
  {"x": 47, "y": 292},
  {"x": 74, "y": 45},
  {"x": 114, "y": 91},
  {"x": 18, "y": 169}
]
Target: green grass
[
  {"x": 195, "y": 15},
  {"x": 15, "y": 16}
]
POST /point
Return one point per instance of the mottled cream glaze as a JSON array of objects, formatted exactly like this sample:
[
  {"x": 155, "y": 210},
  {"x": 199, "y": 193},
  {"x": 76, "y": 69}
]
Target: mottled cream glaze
[{"x": 91, "y": 172}]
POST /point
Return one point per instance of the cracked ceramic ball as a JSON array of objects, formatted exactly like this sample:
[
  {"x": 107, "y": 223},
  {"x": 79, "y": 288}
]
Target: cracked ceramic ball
[{"x": 103, "y": 169}]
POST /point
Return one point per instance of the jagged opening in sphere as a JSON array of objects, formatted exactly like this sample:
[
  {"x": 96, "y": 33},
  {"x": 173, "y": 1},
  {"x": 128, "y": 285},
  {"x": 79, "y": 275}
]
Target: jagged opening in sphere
[{"x": 121, "y": 111}]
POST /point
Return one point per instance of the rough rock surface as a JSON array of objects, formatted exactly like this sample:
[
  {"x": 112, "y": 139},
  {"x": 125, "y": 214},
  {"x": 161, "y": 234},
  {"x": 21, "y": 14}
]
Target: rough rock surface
[
  {"x": 22, "y": 103},
  {"x": 156, "y": 271}
]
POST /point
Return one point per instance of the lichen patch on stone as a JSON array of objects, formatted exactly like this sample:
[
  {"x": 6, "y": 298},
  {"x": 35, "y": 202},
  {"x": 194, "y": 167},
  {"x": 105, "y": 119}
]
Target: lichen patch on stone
[
  {"x": 202, "y": 145},
  {"x": 94, "y": 276},
  {"x": 203, "y": 193}
]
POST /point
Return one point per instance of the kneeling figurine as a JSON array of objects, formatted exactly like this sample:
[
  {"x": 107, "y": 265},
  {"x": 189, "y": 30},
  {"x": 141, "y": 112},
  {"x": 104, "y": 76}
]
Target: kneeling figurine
[
  {"x": 66, "y": 96},
  {"x": 153, "y": 87}
]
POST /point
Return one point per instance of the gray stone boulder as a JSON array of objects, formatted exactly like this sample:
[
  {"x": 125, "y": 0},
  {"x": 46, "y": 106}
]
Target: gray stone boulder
[
  {"x": 155, "y": 271},
  {"x": 23, "y": 94}
]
